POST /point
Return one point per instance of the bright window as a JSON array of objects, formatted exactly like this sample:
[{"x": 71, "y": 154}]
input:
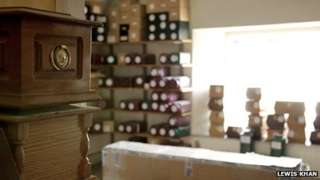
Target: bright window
[{"x": 283, "y": 60}]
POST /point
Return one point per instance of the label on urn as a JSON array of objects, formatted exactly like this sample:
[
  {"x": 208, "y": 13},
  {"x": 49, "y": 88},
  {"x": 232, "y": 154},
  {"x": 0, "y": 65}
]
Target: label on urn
[
  {"x": 152, "y": 36},
  {"x": 110, "y": 59},
  {"x": 155, "y": 96},
  {"x": 129, "y": 129},
  {"x": 100, "y": 38},
  {"x": 256, "y": 120},
  {"x": 100, "y": 30},
  {"x": 164, "y": 97},
  {"x": 162, "y": 36},
  {"x": 163, "y": 132},
  {"x": 276, "y": 145},
  {"x": 301, "y": 120},
  {"x": 121, "y": 128},
  {"x": 163, "y": 59},
  {"x": 152, "y": 17},
  {"x": 123, "y": 105},
  {"x": 163, "y": 17},
  {"x": 163, "y": 25},
  {"x": 109, "y": 82},
  {"x": 138, "y": 60},
  {"x": 172, "y": 133},
  {"x": 152, "y": 28},
  {"x": 174, "y": 36},
  {"x": 162, "y": 83},
  {"x": 131, "y": 106},
  {"x": 172, "y": 121},
  {"x": 127, "y": 60},
  {"x": 154, "y": 72},
  {"x": 100, "y": 82},
  {"x": 153, "y": 131},
  {"x": 144, "y": 106},
  {"x": 163, "y": 108},
  {"x": 97, "y": 127},
  {"x": 139, "y": 81},
  {"x": 174, "y": 108},
  {"x": 174, "y": 58},
  {"x": 153, "y": 83},
  {"x": 291, "y": 134},
  {"x": 155, "y": 106},
  {"x": 245, "y": 139}
]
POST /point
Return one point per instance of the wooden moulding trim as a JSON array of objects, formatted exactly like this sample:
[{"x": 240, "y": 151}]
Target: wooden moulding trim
[{"x": 48, "y": 113}]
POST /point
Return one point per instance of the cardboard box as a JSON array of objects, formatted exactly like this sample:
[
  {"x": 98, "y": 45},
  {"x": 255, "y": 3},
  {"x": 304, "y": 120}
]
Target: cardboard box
[{"x": 138, "y": 161}]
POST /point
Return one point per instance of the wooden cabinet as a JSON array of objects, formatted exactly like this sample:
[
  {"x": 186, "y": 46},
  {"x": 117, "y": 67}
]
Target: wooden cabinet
[
  {"x": 44, "y": 67},
  {"x": 44, "y": 58}
]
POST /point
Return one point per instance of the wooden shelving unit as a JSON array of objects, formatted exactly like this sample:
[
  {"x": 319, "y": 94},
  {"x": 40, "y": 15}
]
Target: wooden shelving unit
[
  {"x": 111, "y": 69},
  {"x": 183, "y": 90}
]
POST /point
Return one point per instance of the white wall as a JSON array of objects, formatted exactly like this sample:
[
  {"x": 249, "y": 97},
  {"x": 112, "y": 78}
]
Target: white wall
[
  {"x": 234, "y": 13},
  {"x": 219, "y": 13}
]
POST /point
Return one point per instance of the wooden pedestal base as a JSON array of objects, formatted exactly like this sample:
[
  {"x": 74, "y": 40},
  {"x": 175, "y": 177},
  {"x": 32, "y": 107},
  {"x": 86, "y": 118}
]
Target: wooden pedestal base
[{"x": 50, "y": 144}]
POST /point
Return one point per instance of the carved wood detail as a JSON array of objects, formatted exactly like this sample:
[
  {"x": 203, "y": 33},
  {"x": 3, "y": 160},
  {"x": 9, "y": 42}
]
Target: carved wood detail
[
  {"x": 17, "y": 134},
  {"x": 84, "y": 168}
]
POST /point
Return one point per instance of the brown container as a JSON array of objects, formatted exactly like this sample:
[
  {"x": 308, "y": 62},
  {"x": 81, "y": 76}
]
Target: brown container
[
  {"x": 316, "y": 123},
  {"x": 315, "y": 137},
  {"x": 253, "y": 107},
  {"x": 216, "y": 104},
  {"x": 217, "y": 118},
  {"x": 45, "y": 59},
  {"x": 282, "y": 107},
  {"x": 276, "y": 122},
  {"x": 296, "y": 122},
  {"x": 297, "y": 108},
  {"x": 297, "y": 136},
  {"x": 234, "y": 132},
  {"x": 255, "y": 121},
  {"x": 254, "y": 94},
  {"x": 216, "y": 91},
  {"x": 217, "y": 131}
]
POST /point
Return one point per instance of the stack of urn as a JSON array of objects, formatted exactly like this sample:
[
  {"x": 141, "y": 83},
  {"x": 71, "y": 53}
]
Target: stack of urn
[
  {"x": 216, "y": 106},
  {"x": 253, "y": 107},
  {"x": 296, "y": 121},
  {"x": 315, "y": 135}
]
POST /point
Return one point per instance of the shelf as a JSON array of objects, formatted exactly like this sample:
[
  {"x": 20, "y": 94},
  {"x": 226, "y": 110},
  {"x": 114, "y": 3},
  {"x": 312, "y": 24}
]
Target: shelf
[
  {"x": 103, "y": 67},
  {"x": 152, "y": 112},
  {"x": 147, "y": 135},
  {"x": 186, "y": 41},
  {"x": 183, "y": 90}
]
